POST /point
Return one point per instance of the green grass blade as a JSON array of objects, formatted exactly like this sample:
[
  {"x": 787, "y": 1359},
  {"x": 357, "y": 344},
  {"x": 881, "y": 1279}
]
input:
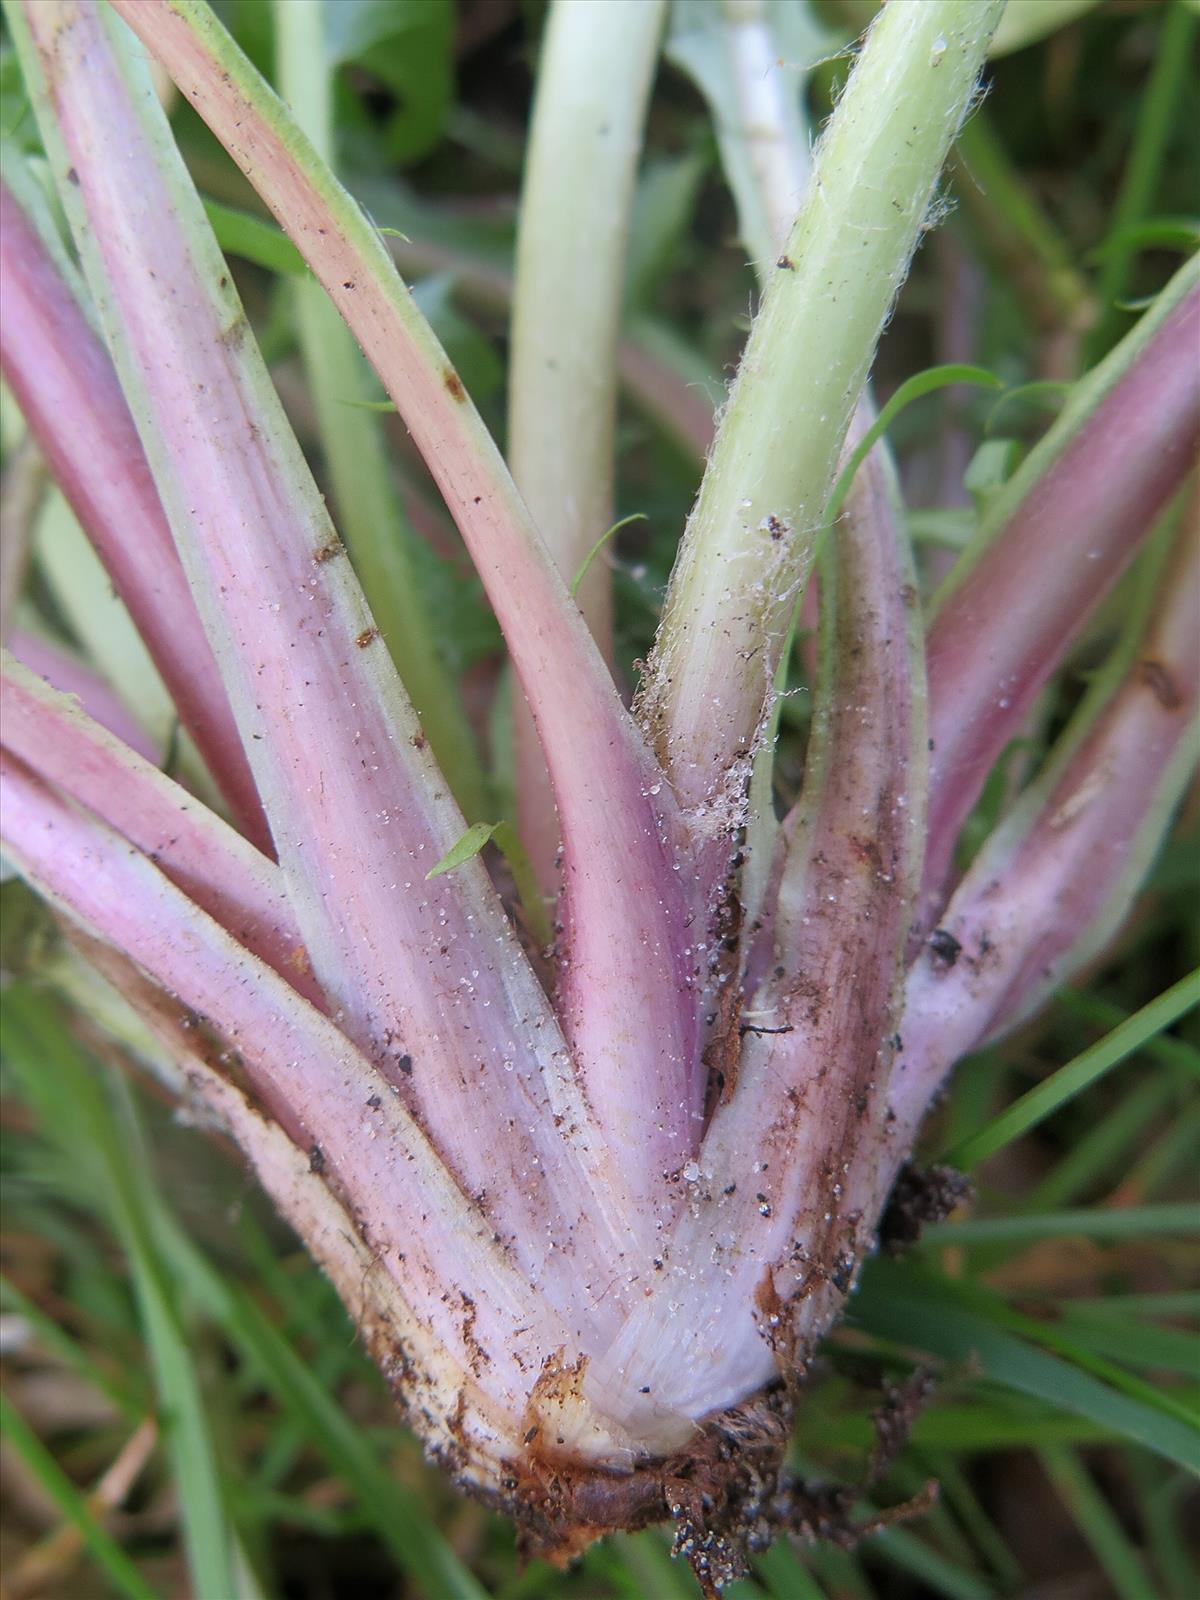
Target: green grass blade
[
  {"x": 1181, "y": 1303},
  {"x": 1175, "y": 1149},
  {"x": 960, "y": 1497},
  {"x": 59, "y": 1344},
  {"x": 1083, "y": 1351},
  {"x": 1137, "y": 1222},
  {"x": 1175, "y": 1053},
  {"x": 921, "y": 384},
  {"x": 786, "y": 1576},
  {"x": 918, "y": 1310},
  {"x": 1104, "y": 1147},
  {"x": 38, "y": 1461},
  {"x": 1094, "y": 1518},
  {"x": 166, "y": 1264},
  {"x": 989, "y": 1424},
  {"x": 395, "y": 1514},
  {"x": 1155, "y": 122},
  {"x": 39, "y": 1045},
  {"x": 1162, "y": 1501},
  {"x": 1138, "y": 1344},
  {"x": 841, "y": 1574},
  {"x": 648, "y": 1568},
  {"x": 1077, "y": 1075},
  {"x": 911, "y": 1555}
]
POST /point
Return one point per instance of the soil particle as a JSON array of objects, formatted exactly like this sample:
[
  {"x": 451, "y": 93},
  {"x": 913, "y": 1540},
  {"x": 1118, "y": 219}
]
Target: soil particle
[
  {"x": 921, "y": 1196},
  {"x": 944, "y": 948}
]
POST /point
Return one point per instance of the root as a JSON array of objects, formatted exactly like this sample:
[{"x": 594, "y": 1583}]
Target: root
[{"x": 729, "y": 1496}]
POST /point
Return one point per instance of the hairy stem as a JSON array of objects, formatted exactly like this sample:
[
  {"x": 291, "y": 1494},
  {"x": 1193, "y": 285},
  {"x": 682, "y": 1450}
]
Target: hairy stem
[{"x": 750, "y": 539}]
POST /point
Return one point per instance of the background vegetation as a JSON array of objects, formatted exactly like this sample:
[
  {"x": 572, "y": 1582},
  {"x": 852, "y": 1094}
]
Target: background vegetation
[{"x": 175, "y": 1371}]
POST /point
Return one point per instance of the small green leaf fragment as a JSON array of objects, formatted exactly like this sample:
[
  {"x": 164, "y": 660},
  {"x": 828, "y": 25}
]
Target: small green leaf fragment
[
  {"x": 471, "y": 843},
  {"x": 508, "y": 841},
  {"x": 637, "y": 516},
  {"x": 922, "y": 383},
  {"x": 366, "y": 405},
  {"x": 1155, "y": 233}
]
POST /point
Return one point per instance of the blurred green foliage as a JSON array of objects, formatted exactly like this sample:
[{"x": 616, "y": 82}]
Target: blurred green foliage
[{"x": 146, "y": 1278}]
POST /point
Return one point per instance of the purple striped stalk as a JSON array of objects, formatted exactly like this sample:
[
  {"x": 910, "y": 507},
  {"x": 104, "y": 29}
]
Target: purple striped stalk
[
  {"x": 454, "y": 1018},
  {"x": 632, "y": 1024},
  {"x": 479, "y": 1308},
  {"x": 214, "y": 866},
  {"x": 771, "y": 1214},
  {"x": 67, "y": 673},
  {"x": 1057, "y": 878},
  {"x": 591, "y": 1235},
  {"x": 64, "y": 383},
  {"x": 1073, "y": 515}
]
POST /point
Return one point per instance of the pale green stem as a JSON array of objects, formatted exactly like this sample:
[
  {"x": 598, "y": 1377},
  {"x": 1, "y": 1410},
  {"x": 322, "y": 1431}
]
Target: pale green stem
[
  {"x": 750, "y": 539},
  {"x": 369, "y": 514},
  {"x": 771, "y": 145},
  {"x": 81, "y": 592},
  {"x": 593, "y": 84},
  {"x": 770, "y": 132}
]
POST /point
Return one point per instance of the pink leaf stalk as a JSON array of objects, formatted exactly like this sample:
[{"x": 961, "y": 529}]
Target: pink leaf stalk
[
  {"x": 67, "y": 673},
  {"x": 1087, "y": 495},
  {"x": 452, "y": 1012},
  {"x": 643, "y": 1047},
  {"x": 592, "y": 1233},
  {"x": 458, "y": 1280},
  {"x": 63, "y": 380},
  {"x": 214, "y": 866},
  {"x": 1057, "y": 878}
]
